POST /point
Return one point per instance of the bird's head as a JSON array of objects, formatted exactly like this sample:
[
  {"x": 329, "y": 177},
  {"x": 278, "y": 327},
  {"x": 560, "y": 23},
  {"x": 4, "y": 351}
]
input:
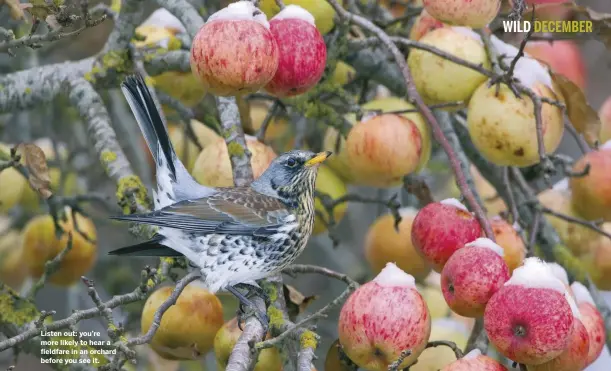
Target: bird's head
[{"x": 291, "y": 175}]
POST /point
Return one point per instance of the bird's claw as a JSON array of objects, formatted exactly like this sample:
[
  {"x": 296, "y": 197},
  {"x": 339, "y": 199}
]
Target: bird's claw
[{"x": 247, "y": 308}]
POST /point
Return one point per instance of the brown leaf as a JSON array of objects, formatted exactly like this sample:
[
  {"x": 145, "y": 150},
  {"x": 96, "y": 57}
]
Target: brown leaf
[
  {"x": 601, "y": 23},
  {"x": 581, "y": 115},
  {"x": 296, "y": 302},
  {"x": 35, "y": 161},
  {"x": 15, "y": 9}
]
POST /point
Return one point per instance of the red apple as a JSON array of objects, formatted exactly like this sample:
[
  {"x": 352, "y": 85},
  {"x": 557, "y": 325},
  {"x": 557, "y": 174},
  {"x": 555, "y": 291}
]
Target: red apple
[
  {"x": 475, "y": 361},
  {"x": 424, "y": 24},
  {"x": 563, "y": 57},
  {"x": 472, "y": 275},
  {"x": 235, "y": 52},
  {"x": 530, "y": 320},
  {"x": 508, "y": 238},
  {"x": 574, "y": 358},
  {"x": 382, "y": 318},
  {"x": 592, "y": 321},
  {"x": 469, "y": 13},
  {"x": 605, "y": 118},
  {"x": 303, "y": 53},
  {"x": 441, "y": 228},
  {"x": 591, "y": 194}
]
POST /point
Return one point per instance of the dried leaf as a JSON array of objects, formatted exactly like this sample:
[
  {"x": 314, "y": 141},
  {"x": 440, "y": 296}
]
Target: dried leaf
[
  {"x": 296, "y": 302},
  {"x": 582, "y": 116},
  {"x": 35, "y": 161},
  {"x": 601, "y": 23},
  {"x": 15, "y": 9}
]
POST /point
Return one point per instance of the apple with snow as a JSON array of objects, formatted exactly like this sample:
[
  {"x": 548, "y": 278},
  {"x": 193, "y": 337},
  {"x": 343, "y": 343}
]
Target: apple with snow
[
  {"x": 382, "y": 318},
  {"x": 439, "y": 80},
  {"x": 562, "y": 56},
  {"x": 592, "y": 321},
  {"x": 441, "y": 228},
  {"x": 468, "y": 13},
  {"x": 591, "y": 194},
  {"x": 472, "y": 275},
  {"x": 529, "y": 320},
  {"x": 302, "y": 50},
  {"x": 475, "y": 361},
  {"x": 235, "y": 52}
]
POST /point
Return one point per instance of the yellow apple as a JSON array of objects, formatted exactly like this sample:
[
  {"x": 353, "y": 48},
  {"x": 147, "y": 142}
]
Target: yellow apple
[
  {"x": 13, "y": 184},
  {"x": 13, "y": 269},
  {"x": 329, "y": 183},
  {"x": 433, "y": 359},
  {"x": 204, "y": 135}
]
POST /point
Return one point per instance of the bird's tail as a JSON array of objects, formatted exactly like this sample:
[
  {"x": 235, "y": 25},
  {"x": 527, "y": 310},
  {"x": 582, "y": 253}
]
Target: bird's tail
[{"x": 174, "y": 183}]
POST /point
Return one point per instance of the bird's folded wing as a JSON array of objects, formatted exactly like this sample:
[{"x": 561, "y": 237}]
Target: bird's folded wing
[{"x": 231, "y": 211}]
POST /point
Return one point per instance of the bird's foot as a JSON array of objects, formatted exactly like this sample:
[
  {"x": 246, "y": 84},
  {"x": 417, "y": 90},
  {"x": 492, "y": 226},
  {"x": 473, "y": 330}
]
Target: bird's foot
[
  {"x": 252, "y": 309},
  {"x": 254, "y": 290}
]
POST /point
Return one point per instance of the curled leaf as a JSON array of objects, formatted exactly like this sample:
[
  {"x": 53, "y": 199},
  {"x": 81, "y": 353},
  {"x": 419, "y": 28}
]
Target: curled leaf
[
  {"x": 35, "y": 161},
  {"x": 582, "y": 116},
  {"x": 296, "y": 302}
]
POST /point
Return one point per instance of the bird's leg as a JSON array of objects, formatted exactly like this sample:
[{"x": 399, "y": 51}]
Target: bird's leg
[
  {"x": 261, "y": 316},
  {"x": 254, "y": 290}
]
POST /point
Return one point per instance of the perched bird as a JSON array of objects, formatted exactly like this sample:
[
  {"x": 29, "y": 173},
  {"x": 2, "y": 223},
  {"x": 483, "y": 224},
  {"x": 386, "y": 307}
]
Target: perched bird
[{"x": 233, "y": 236}]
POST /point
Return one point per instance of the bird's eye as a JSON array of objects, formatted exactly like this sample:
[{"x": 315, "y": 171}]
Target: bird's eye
[{"x": 291, "y": 162}]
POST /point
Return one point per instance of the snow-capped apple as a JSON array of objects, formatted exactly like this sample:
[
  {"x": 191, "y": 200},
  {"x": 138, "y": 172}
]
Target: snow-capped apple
[
  {"x": 382, "y": 318},
  {"x": 529, "y": 320},
  {"x": 475, "y": 361},
  {"x": 441, "y": 228},
  {"x": 235, "y": 53},
  {"x": 424, "y": 24},
  {"x": 508, "y": 238},
  {"x": 591, "y": 194},
  {"x": 472, "y": 275},
  {"x": 592, "y": 320},
  {"x": 468, "y": 13},
  {"x": 322, "y": 11},
  {"x": 384, "y": 244},
  {"x": 562, "y": 56},
  {"x": 605, "y": 118},
  {"x": 302, "y": 52},
  {"x": 439, "y": 80},
  {"x": 383, "y": 149}
]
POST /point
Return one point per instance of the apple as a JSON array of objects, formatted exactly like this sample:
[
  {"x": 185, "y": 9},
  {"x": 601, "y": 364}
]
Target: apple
[
  {"x": 597, "y": 260},
  {"x": 441, "y": 81},
  {"x": 563, "y": 57},
  {"x": 468, "y": 13},
  {"x": 424, "y": 24},
  {"x": 13, "y": 184},
  {"x": 13, "y": 268},
  {"x": 332, "y": 185},
  {"x": 591, "y": 194},
  {"x": 398, "y": 8},
  {"x": 472, "y": 275},
  {"x": 514, "y": 250},
  {"x": 302, "y": 52},
  {"x": 226, "y": 338},
  {"x": 343, "y": 73},
  {"x": 235, "y": 52},
  {"x": 574, "y": 358},
  {"x": 592, "y": 320},
  {"x": 515, "y": 144},
  {"x": 435, "y": 301},
  {"x": 383, "y": 149},
  {"x": 605, "y": 118},
  {"x": 213, "y": 168},
  {"x": 441, "y": 228},
  {"x": 435, "y": 358},
  {"x": 41, "y": 244},
  {"x": 322, "y": 11},
  {"x": 475, "y": 360},
  {"x": 185, "y": 147},
  {"x": 577, "y": 238},
  {"x": 382, "y": 318},
  {"x": 529, "y": 320},
  {"x": 188, "y": 327},
  {"x": 383, "y": 244}
]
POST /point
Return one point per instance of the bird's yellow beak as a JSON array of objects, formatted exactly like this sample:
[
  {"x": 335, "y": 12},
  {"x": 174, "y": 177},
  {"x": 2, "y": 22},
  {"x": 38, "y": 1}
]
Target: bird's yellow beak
[{"x": 320, "y": 157}]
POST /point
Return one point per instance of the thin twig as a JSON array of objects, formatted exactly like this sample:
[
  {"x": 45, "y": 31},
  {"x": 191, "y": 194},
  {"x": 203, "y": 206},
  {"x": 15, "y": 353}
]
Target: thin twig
[
  {"x": 51, "y": 267},
  {"x": 396, "y": 364},
  {"x": 450, "y": 344}
]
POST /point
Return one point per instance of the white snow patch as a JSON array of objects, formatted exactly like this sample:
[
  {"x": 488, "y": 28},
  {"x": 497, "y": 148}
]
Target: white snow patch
[
  {"x": 433, "y": 279},
  {"x": 559, "y": 272},
  {"x": 162, "y": 18},
  {"x": 607, "y": 145},
  {"x": 466, "y": 31},
  {"x": 582, "y": 294},
  {"x": 454, "y": 202},
  {"x": 250, "y": 137},
  {"x": 450, "y": 323},
  {"x": 572, "y": 304},
  {"x": 562, "y": 185},
  {"x": 487, "y": 243},
  {"x": 528, "y": 70},
  {"x": 535, "y": 273},
  {"x": 295, "y": 12},
  {"x": 408, "y": 212},
  {"x": 393, "y": 276},
  {"x": 473, "y": 354},
  {"x": 240, "y": 10}
]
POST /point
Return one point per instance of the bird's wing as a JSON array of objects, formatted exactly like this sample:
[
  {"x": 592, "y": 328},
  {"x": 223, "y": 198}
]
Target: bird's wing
[{"x": 234, "y": 211}]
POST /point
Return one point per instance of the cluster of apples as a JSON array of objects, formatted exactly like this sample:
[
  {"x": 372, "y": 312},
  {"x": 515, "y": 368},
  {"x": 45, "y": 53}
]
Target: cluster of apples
[{"x": 531, "y": 314}]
